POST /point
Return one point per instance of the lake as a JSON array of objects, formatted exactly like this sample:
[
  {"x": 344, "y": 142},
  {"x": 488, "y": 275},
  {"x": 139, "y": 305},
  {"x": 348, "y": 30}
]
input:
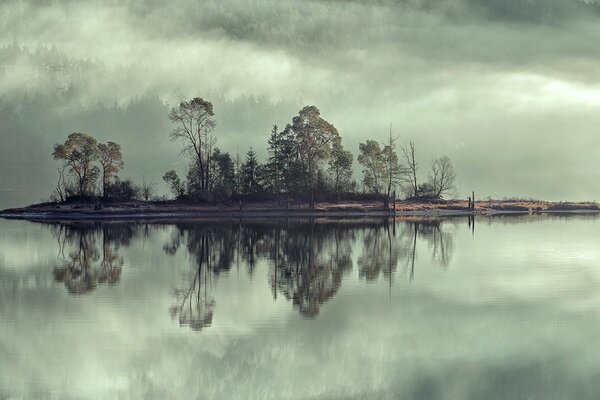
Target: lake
[{"x": 460, "y": 308}]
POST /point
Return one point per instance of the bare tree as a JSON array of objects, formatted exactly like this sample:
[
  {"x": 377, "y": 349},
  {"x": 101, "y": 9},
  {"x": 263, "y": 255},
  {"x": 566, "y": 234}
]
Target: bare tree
[
  {"x": 442, "y": 176},
  {"x": 62, "y": 186},
  {"x": 411, "y": 167},
  {"x": 395, "y": 173},
  {"x": 195, "y": 127},
  {"x": 147, "y": 190}
]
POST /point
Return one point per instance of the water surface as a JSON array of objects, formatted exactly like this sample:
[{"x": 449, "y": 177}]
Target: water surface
[{"x": 495, "y": 308}]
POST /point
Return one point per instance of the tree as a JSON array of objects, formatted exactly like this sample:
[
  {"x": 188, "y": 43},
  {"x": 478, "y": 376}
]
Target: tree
[
  {"x": 395, "y": 173},
  {"x": 195, "y": 127},
  {"x": 122, "y": 190},
  {"x": 281, "y": 153},
  {"x": 442, "y": 176},
  {"x": 223, "y": 173},
  {"x": 175, "y": 184},
  {"x": 411, "y": 164},
  {"x": 281, "y": 170},
  {"x": 251, "y": 174},
  {"x": 63, "y": 185},
  {"x": 314, "y": 139},
  {"x": 340, "y": 168},
  {"x": 111, "y": 161},
  {"x": 147, "y": 190},
  {"x": 371, "y": 158},
  {"x": 79, "y": 152}
]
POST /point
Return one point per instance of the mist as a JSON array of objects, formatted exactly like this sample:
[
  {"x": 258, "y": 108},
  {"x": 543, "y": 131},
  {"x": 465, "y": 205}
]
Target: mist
[{"x": 509, "y": 90}]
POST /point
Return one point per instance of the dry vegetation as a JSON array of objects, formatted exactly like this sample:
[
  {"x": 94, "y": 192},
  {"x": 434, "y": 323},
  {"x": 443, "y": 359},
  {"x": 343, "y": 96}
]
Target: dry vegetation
[{"x": 362, "y": 207}]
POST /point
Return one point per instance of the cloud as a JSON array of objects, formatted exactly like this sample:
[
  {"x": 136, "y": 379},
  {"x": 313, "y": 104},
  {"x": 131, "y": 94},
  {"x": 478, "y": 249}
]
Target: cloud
[{"x": 440, "y": 71}]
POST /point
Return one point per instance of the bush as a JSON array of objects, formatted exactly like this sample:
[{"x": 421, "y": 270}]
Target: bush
[{"x": 122, "y": 190}]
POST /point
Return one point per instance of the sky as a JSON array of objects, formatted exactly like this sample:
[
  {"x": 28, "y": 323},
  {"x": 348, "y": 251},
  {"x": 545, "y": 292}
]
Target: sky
[{"x": 508, "y": 89}]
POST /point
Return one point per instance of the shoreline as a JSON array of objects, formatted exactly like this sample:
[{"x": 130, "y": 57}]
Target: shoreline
[{"x": 179, "y": 212}]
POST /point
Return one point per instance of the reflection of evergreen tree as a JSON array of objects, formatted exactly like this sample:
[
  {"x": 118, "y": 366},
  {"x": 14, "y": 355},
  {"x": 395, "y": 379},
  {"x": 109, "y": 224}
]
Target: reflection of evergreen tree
[{"x": 309, "y": 261}]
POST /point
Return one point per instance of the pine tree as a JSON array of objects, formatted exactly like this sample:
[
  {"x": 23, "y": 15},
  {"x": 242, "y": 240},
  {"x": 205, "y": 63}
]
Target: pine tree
[{"x": 251, "y": 171}]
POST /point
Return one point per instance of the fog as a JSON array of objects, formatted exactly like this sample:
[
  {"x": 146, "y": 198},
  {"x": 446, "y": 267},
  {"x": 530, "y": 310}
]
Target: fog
[{"x": 509, "y": 90}]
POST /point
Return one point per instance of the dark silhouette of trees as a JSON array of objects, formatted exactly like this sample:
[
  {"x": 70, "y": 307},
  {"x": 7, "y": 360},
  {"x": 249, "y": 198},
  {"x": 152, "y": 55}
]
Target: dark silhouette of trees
[
  {"x": 223, "y": 178},
  {"x": 177, "y": 187},
  {"x": 280, "y": 165},
  {"x": 305, "y": 158},
  {"x": 251, "y": 174}
]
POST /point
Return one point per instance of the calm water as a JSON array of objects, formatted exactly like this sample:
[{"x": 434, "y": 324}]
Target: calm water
[{"x": 302, "y": 309}]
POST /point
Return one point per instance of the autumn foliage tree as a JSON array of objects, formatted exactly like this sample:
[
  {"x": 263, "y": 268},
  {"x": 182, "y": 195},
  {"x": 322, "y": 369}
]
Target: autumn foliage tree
[
  {"x": 111, "y": 162},
  {"x": 315, "y": 139},
  {"x": 79, "y": 152}
]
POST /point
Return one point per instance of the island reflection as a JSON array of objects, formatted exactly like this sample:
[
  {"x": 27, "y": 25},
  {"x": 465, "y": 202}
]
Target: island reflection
[
  {"x": 89, "y": 254},
  {"x": 307, "y": 259}
]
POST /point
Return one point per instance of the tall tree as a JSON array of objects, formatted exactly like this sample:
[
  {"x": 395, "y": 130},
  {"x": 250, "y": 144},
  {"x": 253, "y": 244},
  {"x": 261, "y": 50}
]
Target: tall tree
[
  {"x": 442, "y": 176},
  {"x": 111, "y": 162},
  {"x": 411, "y": 164},
  {"x": 282, "y": 153},
  {"x": 251, "y": 174},
  {"x": 395, "y": 173},
  {"x": 223, "y": 173},
  {"x": 340, "y": 168},
  {"x": 315, "y": 139},
  {"x": 79, "y": 152},
  {"x": 195, "y": 125},
  {"x": 371, "y": 158}
]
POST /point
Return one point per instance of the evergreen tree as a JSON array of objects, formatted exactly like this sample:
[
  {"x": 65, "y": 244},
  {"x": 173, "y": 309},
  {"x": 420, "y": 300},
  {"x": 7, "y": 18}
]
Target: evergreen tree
[
  {"x": 282, "y": 153},
  {"x": 251, "y": 174}
]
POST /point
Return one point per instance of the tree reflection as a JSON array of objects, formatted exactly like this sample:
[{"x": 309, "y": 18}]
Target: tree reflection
[
  {"x": 309, "y": 263},
  {"x": 307, "y": 260},
  {"x": 194, "y": 305},
  {"x": 385, "y": 247},
  {"x": 92, "y": 255}
]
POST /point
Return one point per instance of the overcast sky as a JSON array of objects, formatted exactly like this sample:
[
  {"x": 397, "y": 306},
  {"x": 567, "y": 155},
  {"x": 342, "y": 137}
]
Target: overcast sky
[{"x": 509, "y": 89}]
